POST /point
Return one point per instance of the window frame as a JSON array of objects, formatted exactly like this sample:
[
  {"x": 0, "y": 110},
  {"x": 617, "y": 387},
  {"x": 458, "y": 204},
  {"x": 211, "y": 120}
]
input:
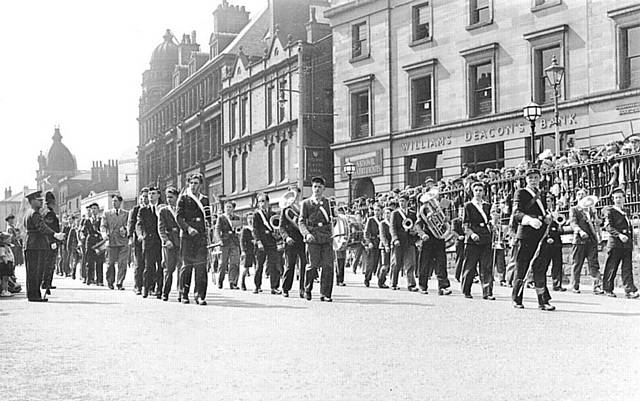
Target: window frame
[
  {"x": 498, "y": 162},
  {"x": 472, "y": 8},
  {"x": 234, "y": 173},
  {"x": 244, "y": 105},
  {"x": 410, "y": 176},
  {"x": 417, "y": 71},
  {"x": 232, "y": 118},
  {"x": 284, "y": 160},
  {"x": 623, "y": 18},
  {"x": 269, "y": 89},
  {"x": 364, "y": 53},
  {"x": 476, "y": 57},
  {"x": 243, "y": 171},
  {"x": 358, "y": 86},
  {"x": 542, "y": 40},
  {"x": 415, "y": 14},
  {"x": 271, "y": 157}
]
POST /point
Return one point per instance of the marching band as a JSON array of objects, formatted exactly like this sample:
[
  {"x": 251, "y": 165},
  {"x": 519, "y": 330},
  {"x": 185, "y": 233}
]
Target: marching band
[{"x": 404, "y": 233}]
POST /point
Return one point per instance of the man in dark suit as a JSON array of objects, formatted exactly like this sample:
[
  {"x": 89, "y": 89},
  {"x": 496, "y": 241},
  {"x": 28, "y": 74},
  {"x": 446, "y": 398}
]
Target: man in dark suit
[
  {"x": 585, "y": 244},
  {"x": 72, "y": 243},
  {"x": 91, "y": 233},
  {"x": 113, "y": 228},
  {"x": 136, "y": 242},
  {"x": 247, "y": 250},
  {"x": 385, "y": 246},
  {"x": 294, "y": 252},
  {"x": 532, "y": 218},
  {"x": 477, "y": 249},
  {"x": 372, "y": 243},
  {"x": 403, "y": 244},
  {"x": 36, "y": 246},
  {"x": 147, "y": 229},
  {"x": 51, "y": 219},
  {"x": 192, "y": 214},
  {"x": 315, "y": 225},
  {"x": 226, "y": 226},
  {"x": 265, "y": 236},
  {"x": 433, "y": 258},
  {"x": 169, "y": 233},
  {"x": 620, "y": 246}
]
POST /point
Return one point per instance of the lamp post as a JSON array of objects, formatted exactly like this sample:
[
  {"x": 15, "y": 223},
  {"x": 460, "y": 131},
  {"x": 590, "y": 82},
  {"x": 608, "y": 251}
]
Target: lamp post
[
  {"x": 554, "y": 74},
  {"x": 532, "y": 112},
  {"x": 349, "y": 168}
]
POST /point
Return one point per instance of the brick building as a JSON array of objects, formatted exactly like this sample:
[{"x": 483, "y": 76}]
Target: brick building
[
  {"x": 183, "y": 122},
  {"x": 422, "y": 87}
]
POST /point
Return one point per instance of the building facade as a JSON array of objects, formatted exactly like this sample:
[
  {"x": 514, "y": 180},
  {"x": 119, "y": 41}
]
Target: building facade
[
  {"x": 184, "y": 116},
  {"x": 424, "y": 87}
]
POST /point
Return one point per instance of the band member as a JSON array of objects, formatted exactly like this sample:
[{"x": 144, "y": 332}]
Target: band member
[
  {"x": 16, "y": 240},
  {"x": 265, "y": 236},
  {"x": 136, "y": 242},
  {"x": 456, "y": 226},
  {"x": 498, "y": 245},
  {"x": 73, "y": 246},
  {"x": 91, "y": 233},
  {"x": 620, "y": 246},
  {"x": 530, "y": 215},
  {"x": 37, "y": 245},
  {"x": 385, "y": 247},
  {"x": 372, "y": 243},
  {"x": 315, "y": 226},
  {"x": 247, "y": 251},
  {"x": 169, "y": 232},
  {"x": 433, "y": 257},
  {"x": 191, "y": 216},
  {"x": 50, "y": 219},
  {"x": 583, "y": 220},
  {"x": 403, "y": 249},
  {"x": 226, "y": 226},
  {"x": 100, "y": 255},
  {"x": 341, "y": 229},
  {"x": 147, "y": 229},
  {"x": 114, "y": 229},
  {"x": 477, "y": 249},
  {"x": 294, "y": 251}
]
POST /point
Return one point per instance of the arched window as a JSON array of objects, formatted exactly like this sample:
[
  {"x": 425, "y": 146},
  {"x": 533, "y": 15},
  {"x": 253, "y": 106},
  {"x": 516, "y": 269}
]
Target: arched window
[
  {"x": 284, "y": 160},
  {"x": 245, "y": 156},
  {"x": 271, "y": 160},
  {"x": 234, "y": 166}
]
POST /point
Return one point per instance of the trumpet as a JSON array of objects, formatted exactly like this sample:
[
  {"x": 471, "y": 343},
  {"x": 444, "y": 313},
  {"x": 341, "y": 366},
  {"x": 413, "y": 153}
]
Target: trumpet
[
  {"x": 238, "y": 230},
  {"x": 558, "y": 218},
  {"x": 407, "y": 224}
]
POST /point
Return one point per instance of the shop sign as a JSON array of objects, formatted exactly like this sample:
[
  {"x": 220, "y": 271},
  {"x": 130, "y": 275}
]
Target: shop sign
[
  {"x": 518, "y": 128},
  {"x": 628, "y": 108},
  {"x": 428, "y": 143},
  {"x": 367, "y": 164}
]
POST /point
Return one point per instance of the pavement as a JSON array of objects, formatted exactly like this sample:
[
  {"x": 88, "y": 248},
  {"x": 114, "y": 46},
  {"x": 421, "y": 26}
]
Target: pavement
[{"x": 92, "y": 343}]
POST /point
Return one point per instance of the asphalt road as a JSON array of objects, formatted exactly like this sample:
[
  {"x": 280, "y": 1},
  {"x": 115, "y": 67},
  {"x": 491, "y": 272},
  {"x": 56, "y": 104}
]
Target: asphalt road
[{"x": 91, "y": 343}]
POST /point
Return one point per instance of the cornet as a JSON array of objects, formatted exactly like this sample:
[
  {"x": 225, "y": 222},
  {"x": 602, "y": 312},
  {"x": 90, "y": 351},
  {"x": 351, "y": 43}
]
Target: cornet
[{"x": 407, "y": 224}]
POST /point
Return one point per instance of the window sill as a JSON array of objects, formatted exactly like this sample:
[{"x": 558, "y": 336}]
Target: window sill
[
  {"x": 546, "y": 5},
  {"x": 359, "y": 58},
  {"x": 420, "y": 41},
  {"x": 478, "y": 25}
]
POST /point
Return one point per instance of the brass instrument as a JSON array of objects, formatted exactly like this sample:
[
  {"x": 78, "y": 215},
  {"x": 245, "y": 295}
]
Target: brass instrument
[
  {"x": 238, "y": 230},
  {"x": 407, "y": 224},
  {"x": 287, "y": 203},
  {"x": 274, "y": 221},
  {"x": 433, "y": 216}
]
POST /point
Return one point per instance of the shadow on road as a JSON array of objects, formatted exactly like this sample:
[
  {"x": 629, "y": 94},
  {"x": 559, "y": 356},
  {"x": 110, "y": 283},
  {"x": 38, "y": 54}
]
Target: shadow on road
[
  {"x": 55, "y": 301},
  {"x": 376, "y": 301},
  {"x": 236, "y": 303},
  {"x": 618, "y": 314}
]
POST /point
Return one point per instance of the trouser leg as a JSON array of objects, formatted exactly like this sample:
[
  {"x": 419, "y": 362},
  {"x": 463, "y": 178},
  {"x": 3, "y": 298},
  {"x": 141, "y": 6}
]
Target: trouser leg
[
  {"x": 99, "y": 269},
  {"x": 326, "y": 279},
  {"x": 594, "y": 265},
  {"x": 223, "y": 266},
  {"x": 423, "y": 266},
  {"x": 340, "y": 262},
  {"x": 497, "y": 256},
  {"x": 440, "y": 265},
  {"x": 371, "y": 263},
  {"x": 472, "y": 253},
  {"x": 138, "y": 272},
  {"x": 385, "y": 260},
  {"x": 578, "y": 254},
  {"x": 357, "y": 257},
  {"x": 123, "y": 262},
  {"x": 397, "y": 262},
  {"x": 523, "y": 256},
  {"x": 511, "y": 265},
  {"x": 260, "y": 259},
  {"x": 169, "y": 261},
  {"x": 614, "y": 256},
  {"x": 410, "y": 265},
  {"x": 112, "y": 257},
  {"x": 459, "y": 259},
  {"x": 302, "y": 267},
  {"x": 486, "y": 271},
  {"x": 90, "y": 260},
  {"x": 273, "y": 266},
  {"x": 234, "y": 266},
  {"x": 627, "y": 272},
  {"x": 315, "y": 260},
  {"x": 31, "y": 258},
  {"x": 557, "y": 271}
]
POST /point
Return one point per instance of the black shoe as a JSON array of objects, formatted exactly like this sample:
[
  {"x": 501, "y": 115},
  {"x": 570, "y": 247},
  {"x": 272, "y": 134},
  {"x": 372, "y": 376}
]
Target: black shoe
[
  {"x": 341, "y": 284},
  {"x": 308, "y": 296},
  {"x": 185, "y": 301},
  {"x": 52, "y": 287},
  {"x": 575, "y": 291},
  {"x": 383, "y": 286},
  {"x": 546, "y": 307},
  {"x": 165, "y": 298},
  {"x": 321, "y": 298},
  {"x": 395, "y": 288},
  {"x": 598, "y": 291},
  {"x": 366, "y": 283},
  {"x": 301, "y": 294},
  {"x": 285, "y": 294},
  {"x": 425, "y": 292},
  {"x": 138, "y": 292},
  {"x": 159, "y": 296},
  {"x": 610, "y": 294},
  {"x": 110, "y": 286},
  {"x": 632, "y": 295},
  {"x": 489, "y": 297},
  {"x": 328, "y": 299},
  {"x": 518, "y": 306},
  {"x": 145, "y": 294},
  {"x": 243, "y": 287},
  {"x": 39, "y": 300},
  {"x": 48, "y": 291},
  {"x": 412, "y": 289},
  {"x": 469, "y": 296},
  {"x": 202, "y": 302},
  {"x": 276, "y": 292},
  {"x": 444, "y": 291},
  {"x": 257, "y": 290},
  {"x": 561, "y": 289}
]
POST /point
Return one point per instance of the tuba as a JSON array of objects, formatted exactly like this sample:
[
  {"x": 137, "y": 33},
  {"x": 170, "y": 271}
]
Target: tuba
[
  {"x": 433, "y": 216},
  {"x": 288, "y": 204}
]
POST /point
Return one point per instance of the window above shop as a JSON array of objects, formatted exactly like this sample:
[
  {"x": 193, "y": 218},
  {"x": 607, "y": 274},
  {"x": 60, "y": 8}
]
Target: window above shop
[
  {"x": 359, "y": 41},
  {"x": 547, "y": 141},
  {"x": 480, "y": 13},
  {"x": 482, "y": 157},
  {"x": 545, "y": 44},
  {"x": 627, "y": 25},
  {"x": 422, "y": 19},
  {"x": 481, "y": 79},
  {"x": 419, "y": 167}
]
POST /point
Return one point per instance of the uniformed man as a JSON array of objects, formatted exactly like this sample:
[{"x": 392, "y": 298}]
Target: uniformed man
[
  {"x": 136, "y": 242},
  {"x": 585, "y": 243},
  {"x": 37, "y": 245},
  {"x": 265, "y": 236},
  {"x": 114, "y": 229},
  {"x": 226, "y": 226},
  {"x": 403, "y": 248},
  {"x": 315, "y": 226},
  {"x": 169, "y": 232},
  {"x": 91, "y": 233},
  {"x": 477, "y": 249},
  {"x": 385, "y": 247},
  {"x": 294, "y": 251},
  {"x": 191, "y": 215},
  {"x": 532, "y": 218},
  {"x": 372, "y": 243},
  {"x": 620, "y": 246},
  {"x": 50, "y": 219},
  {"x": 147, "y": 229},
  {"x": 247, "y": 250}
]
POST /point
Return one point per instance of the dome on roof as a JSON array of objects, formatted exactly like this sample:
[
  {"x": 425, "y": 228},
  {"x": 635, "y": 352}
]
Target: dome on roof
[
  {"x": 59, "y": 158},
  {"x": 165, "y": 54}
]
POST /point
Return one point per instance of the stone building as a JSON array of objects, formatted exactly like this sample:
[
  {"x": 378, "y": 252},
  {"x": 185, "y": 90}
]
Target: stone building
[
  {"x": 188, "y": 97},
  {"x": 422, "y": 87}
]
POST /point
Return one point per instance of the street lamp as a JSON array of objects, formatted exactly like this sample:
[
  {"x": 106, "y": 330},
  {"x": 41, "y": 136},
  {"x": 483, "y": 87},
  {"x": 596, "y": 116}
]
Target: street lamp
[
  {"x": 349, "y": 168},
  {"x": 532, "y": 112},
  {"x": 554, "y": 74}
]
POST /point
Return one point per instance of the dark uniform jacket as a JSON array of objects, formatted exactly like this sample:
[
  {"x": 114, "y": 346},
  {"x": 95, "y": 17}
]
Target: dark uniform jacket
[
  {"x": 168, "y": 227},
  {"x": 225, "y": 230},
  {"x": 91, "y": 232},
  {"x": 263, "y": 232},
  {"x": 397, "y": 230},
  {"x": 289, "y": 229},
  {"x": 37, "y": 231},
  {"x": 525, "y": 204},
  {"x": 147, "y": 224},
  {"x": 247, "y": 244},
  {"x": 189, "y": 214},
  {"x": 456, "y": 226},
  {"x": 372, "y": 232},
  {"x": 617, "y": 223},
  {"x": 385, "y": 234},
  {"x": 72, "y": 239},
  {"x": 51, "y": 220},
  {"x": 474, "y": 223},
  {"x": 315, "y": 219},
  {"x": 579, "y": 220},
  {"x": 131, "y": 222}
]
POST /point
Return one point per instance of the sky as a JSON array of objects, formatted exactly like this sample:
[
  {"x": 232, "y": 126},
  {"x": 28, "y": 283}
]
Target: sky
[{"x": 78, "y": 64}]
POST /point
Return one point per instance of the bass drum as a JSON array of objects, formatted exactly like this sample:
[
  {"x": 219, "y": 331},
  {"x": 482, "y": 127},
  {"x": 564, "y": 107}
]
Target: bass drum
[{"x": 340, "y": 233}]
